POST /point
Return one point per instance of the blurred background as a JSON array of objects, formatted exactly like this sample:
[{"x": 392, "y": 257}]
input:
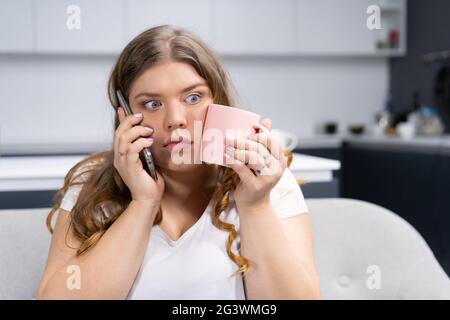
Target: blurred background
[{"x": 363, "y": 85}]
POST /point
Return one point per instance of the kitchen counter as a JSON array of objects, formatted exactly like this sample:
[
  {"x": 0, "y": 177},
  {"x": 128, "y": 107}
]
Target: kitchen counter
[
  {"x": 307, "y": 169},
  {"x": 335, "y": 141},
  {"x": 304, "y": 142},
  {"x": 28, "y": 173}
]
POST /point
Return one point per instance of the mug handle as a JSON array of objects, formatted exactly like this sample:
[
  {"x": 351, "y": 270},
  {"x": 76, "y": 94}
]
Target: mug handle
[{"x": 292, "y": 141}]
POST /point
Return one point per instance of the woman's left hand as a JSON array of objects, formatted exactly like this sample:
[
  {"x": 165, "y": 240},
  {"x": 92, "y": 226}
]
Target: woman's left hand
[{"x": 246, "y": 156}]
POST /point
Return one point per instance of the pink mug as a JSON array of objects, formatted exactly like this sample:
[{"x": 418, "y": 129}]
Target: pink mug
[{"x": 219, "y": 121}]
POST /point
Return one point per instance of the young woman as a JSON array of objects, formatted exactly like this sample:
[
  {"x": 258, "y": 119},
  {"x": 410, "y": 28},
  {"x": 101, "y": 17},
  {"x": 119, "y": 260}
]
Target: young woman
[{"x": 200, "y": 231}]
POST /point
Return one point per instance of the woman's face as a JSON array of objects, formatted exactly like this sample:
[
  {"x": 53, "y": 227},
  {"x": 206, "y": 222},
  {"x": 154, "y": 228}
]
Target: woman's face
[{"x": 172, "y": 97}]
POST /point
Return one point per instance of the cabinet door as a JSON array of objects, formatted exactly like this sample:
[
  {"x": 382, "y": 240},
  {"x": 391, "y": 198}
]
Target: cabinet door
[
  {"x": 100, "y": 29},
  {"x": 16, "y": 32},
  {"x": 192, "y": 15},
  {"x": 440, "y": 207},
  {"x": 389, "y": 177},
  {"x": 334, "y": 27},
  {"x": 253, "y": 26}
]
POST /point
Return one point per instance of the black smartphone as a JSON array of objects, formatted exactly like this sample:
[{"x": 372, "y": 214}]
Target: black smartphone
[{"x": 145, "y": 155}]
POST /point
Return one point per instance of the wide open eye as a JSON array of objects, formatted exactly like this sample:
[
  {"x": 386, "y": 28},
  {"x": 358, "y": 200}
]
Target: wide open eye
[
  {"x": 152, "y": 104},
  {"x": 193, "y": 98}
]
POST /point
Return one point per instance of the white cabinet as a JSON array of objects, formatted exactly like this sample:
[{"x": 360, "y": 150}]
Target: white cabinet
[
  {"x": 192, "y": 15},
  {"x": 79, "y": 26},
  {"x": 333, "y": 27},
  {"x": 253, "y": 26},
  {"x": 304, "y": 27},
  {"x": 330, "y": 27},
  {"x": 393, "y": 17},
  {"x": 231, "y": 27},
  {"x": 16, "y": 26}
]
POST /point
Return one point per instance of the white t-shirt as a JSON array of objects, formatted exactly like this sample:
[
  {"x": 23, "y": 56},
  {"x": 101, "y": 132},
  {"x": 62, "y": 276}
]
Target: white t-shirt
[{"x": 196, "y": 266}]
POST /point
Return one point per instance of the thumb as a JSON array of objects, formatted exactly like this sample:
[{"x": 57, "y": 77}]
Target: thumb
[{"x": 267, "y": 123}]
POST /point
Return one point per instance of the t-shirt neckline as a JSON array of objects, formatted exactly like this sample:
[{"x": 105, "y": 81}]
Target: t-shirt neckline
[{"x": 174, "y": 243}]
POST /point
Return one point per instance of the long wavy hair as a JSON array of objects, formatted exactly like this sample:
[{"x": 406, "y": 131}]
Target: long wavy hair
[{"x": 104, "y": 195}]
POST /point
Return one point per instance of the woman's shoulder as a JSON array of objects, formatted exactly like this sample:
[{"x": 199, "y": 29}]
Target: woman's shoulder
[
  {"x": 287, "y": 183},
  {"x": 287, "y": 197},
  {"x": 82, "y": 172}
]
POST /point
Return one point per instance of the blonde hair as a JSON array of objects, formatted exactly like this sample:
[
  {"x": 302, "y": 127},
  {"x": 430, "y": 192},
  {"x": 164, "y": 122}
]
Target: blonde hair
[{"x": 104, "y": 195}]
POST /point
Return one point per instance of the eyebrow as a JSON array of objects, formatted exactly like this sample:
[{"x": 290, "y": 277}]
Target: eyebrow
[{"x": 149, "y": 94}]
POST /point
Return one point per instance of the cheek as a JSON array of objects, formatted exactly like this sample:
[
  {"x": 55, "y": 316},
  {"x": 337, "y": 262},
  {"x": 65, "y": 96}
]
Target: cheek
[
  {"x": 137, "y": 106},
  {"x": 201, "y": 114},
  {"x": 157, "y": 135}
]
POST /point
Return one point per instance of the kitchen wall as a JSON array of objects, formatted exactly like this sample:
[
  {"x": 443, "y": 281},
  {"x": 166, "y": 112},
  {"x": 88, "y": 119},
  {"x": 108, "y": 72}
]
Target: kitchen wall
[
  {"x": 428, "y": 23},
  {"x": 300, "y": 93},
  {"x": 47, "y": 94},
  {"x": 321, "y": 64}
]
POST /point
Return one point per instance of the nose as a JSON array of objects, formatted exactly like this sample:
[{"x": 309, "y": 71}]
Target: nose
[{"x": 175, "y": 117}]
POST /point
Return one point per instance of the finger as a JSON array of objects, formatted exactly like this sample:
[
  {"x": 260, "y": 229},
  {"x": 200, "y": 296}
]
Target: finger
[
  {"x": 131, "y": 135},
  {"x": 250, "y": 158},
  {"x": 244, "y": 173},
  {"x": 137, "y": 132},
  {"x": 132, "y": 156},
  {"x": 258, "y": 128},
  {"x": 264, "y": 126},
  {"x": 271, "y": 142},
  {"x": 126, "y": 123},
  {"x": 120, "y": 113},
  {"x": 267, "y": 123},
  {"x": 255, "y": 162},
  {"x": 247, "y": 144},
  {"x": 130, "y": 121}
]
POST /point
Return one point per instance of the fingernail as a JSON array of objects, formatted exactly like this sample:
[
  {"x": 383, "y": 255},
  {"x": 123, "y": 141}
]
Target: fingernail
[
  {"x": 148, "y": 129},
  {"x": 230, "y": 139},
  {"x": 261, "y": 127},
  {"x": 138, "y": 115},
  {"x": 150, "y": 139}
]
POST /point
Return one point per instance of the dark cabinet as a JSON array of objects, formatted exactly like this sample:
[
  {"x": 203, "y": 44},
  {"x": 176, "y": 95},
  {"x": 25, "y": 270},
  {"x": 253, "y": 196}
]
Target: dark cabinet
[{"x": 413, "y": 182}]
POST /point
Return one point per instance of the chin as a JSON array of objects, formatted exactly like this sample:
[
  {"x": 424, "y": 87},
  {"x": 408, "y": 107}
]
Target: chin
[
  {"x": 189, "y": 161},
  {"x": 181, "y": 167}
]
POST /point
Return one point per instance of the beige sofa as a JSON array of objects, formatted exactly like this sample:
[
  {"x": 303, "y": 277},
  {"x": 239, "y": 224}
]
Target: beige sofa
[{"x": 362, "y": 252}]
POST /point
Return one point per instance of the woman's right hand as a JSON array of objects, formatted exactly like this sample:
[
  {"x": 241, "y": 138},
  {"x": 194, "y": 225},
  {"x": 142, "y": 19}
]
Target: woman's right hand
[{"x": 129, "y": 140}]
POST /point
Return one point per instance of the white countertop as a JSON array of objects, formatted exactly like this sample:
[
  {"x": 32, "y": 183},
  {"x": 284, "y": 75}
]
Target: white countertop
[
  {"x": 48, "y": 172},
  {"x": 313, "y": 169},
  {"x": 35, "y": 172}
]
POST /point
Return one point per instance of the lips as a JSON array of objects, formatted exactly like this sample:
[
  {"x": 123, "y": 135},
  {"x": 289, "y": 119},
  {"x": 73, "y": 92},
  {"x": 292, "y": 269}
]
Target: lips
[{"x": 175, "y": 141}]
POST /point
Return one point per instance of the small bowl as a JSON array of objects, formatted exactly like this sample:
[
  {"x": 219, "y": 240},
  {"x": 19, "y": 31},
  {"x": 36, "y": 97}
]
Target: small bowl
[{"x": 357, "y": 129}]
